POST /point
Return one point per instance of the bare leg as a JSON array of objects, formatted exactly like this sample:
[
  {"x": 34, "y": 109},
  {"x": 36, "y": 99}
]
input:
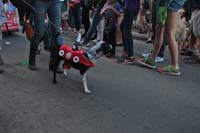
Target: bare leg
[
  {"x": 170, "y": 34},
  {"x": 158, "y": 41},
  {"x": 86, "y": 90}
]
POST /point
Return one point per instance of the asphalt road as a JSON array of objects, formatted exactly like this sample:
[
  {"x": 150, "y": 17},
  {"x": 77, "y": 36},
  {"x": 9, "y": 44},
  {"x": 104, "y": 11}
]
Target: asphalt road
[{"x": 124, "y": 98}]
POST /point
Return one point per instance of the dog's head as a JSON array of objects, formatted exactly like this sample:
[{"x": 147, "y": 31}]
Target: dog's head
[
  {"x": 99, "y": 48},
  {"x": 105, "y": 48}
]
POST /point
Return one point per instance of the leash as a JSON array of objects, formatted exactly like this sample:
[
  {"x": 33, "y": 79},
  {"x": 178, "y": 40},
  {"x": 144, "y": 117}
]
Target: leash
[{"x": 77, "y": 42}]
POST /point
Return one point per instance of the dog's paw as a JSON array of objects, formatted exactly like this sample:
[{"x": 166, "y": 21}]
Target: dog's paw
[
  {"x": 87, "y": 92},
  {"x": 65, "y": 73},
  {"x": 54, "y": 82}
]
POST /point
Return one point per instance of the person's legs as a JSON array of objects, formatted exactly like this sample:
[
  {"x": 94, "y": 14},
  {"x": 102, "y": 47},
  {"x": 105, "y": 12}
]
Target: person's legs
[
  {"x": 76, "y": 14},
  {"x": 85, "y": 19},
  {"x": 54, "y": 13},
  {"x": 154, "y": 22},
  {"x": 170, "y": 33},
  {"x": 55, "y": 17},
  {"x": 96, "y": 19},
  {"x": 128, "y": 40},
  {"x": 71, "y": 19},
  {"x": 157, "y": 42},
  {"x": 162, "y": 49},
  {"x": 119, "y": 32},
  {"x": 41, "y": 8},
  {"x": 173, "y": 7},
  {"x": 112, "y": 39}
]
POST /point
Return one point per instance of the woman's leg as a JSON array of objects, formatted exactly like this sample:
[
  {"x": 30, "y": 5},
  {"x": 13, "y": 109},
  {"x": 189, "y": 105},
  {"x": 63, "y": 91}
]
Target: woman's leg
[
  {"x": 159, "y": 31},
  {"x": 170, "y": 34}
]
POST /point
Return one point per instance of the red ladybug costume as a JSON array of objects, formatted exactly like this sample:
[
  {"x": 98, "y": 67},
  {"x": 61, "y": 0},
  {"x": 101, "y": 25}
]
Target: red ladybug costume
[{"x": 75, "y": 57}]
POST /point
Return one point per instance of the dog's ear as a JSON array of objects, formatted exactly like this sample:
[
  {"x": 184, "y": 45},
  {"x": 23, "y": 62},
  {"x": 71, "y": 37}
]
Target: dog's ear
[{"x": 105, "y": 48}]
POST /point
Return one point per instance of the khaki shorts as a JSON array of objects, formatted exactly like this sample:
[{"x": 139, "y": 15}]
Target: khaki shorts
[{"x": 195, "y": 23}]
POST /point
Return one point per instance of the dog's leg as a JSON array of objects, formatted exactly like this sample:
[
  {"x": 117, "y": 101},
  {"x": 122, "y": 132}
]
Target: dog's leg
[
  {"x": 66, "y": 67},
  {"x": 65, "y": 72},
  {"x": 86, "y": 90}
]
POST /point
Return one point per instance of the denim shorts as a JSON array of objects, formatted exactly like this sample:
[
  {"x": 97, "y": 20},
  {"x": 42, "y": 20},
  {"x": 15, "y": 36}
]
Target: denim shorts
[{"x": 175, "y": 5}]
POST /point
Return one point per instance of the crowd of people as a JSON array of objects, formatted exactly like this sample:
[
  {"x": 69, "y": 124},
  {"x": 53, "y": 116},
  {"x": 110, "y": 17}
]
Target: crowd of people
[{"x": 175, "y": 23}]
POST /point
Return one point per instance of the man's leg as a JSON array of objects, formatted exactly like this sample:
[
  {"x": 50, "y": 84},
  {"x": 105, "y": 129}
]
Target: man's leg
[
  {"x": 55, "y": 17},
  {"x": 40, "y": 10}
]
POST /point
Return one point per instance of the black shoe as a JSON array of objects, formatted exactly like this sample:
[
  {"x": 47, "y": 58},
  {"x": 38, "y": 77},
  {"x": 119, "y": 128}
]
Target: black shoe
[{"x": 32, "y": 67}]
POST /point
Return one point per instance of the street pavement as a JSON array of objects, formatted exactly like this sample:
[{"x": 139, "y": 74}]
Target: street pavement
[{"x": 124, "y": 98}]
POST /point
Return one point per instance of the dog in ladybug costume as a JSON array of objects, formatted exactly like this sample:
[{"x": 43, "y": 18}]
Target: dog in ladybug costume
[{"x": 79, "y": 58}]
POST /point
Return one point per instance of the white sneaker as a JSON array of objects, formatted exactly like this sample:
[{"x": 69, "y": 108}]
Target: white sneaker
[
  {"x": 146, "y": 54},
  {"x": 159, "y": 59}
]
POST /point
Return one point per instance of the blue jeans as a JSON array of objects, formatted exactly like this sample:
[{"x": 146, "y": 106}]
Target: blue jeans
[
  {"x": 53, "y": 8},
  {"x": 96, "y": 19},
  {"x": 127, "y": 31}
]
